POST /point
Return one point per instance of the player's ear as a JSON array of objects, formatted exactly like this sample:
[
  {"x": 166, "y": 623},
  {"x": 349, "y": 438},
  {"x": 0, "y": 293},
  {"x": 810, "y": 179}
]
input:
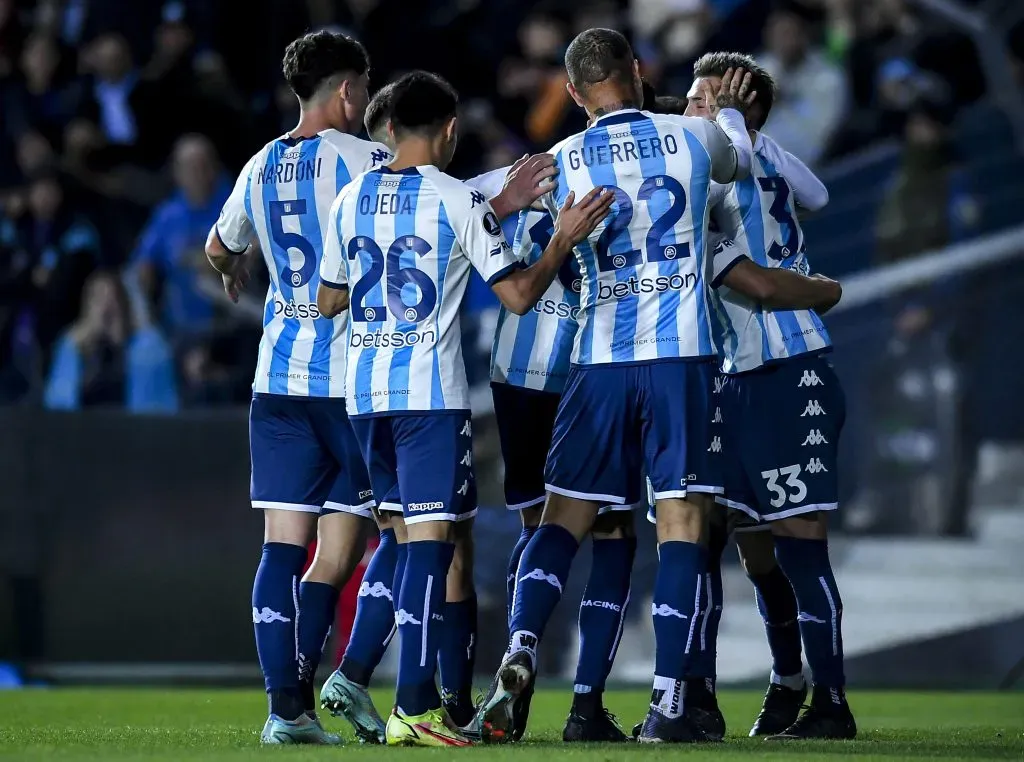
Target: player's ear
[
  {"x": 451, "y": 130},
  {"x": 574, "y": 94},
  {"x": 345, "y": 90}
]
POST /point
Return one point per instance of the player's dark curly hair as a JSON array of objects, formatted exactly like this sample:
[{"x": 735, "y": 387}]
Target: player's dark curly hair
[
  {"x": 379, "y": 110},
  {"x": 422, "y": 101},
  {"x": 668, "y": 104},
  {"x": 316, "y": 57},
  {"x": 599, "y": 54},
  {"x": 716, "y": 64}
]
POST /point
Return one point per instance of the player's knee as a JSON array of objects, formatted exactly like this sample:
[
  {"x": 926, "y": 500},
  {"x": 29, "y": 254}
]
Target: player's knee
[
  {"x": 289, "y": 527},
  {"x": 805, "y": 526},
  {"x": 614, "y": 525},
  {"x": 756, "y": 551},
  {"x": 679, "y": 520},
  {"x": 572, "y": 514},
  {"x": 531, "y": 516}
]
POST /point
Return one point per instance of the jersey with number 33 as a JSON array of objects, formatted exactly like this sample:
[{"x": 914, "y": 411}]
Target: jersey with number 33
[
  {"x": 644, "y": 270},
  {"x": 282, "y": 197}
]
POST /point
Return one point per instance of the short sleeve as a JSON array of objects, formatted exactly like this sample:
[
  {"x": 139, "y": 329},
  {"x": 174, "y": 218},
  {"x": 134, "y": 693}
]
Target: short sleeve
[
  {"x": 726, "y": 255},
  {"x": 379, "y": 155},
  {"x": 333, "y": 273},
  {"x": 533, "y": 233},
  {"x": 479, "y": 232},
  {"x": 234, "y": 229},
  {"x": 490, "y": 183}
]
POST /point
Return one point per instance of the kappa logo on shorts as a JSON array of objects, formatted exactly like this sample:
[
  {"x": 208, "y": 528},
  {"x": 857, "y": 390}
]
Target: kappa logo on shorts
[
  {"x": 404, "y": 617},
  {"x": 542, "y": 576},
  {"x": 718, "y": 415},
  {"x": 267, "y": 616},
  {"x": 434, "y": 506},
  {"x": 663, "y": 609},
  {"x": 467, "y": 459},
  {"x": 814, "y": 437},
  {"x": 467, "y": 429},
  {"x": 377, "y": 590},
  {"x": 815, "y": 466},
  {"x": 719, "y": 385},
  {"x": 813, "y": 408},
  {"x": 810, "y": 378},
  {"x": 464, "y": 489},
  {"x": 716, "y": 445}
]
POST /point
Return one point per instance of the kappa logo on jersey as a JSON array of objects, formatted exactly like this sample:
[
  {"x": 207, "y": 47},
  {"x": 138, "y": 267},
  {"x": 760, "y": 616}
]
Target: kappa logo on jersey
[
  {"x": 810, "y": 378},
  {"x": 814, "y": 437},
  {"x": 476, "y": 198},
  {"x": 718, "y": 415},
  {"x": 267, "y": 616},
  {"x": 719, "y": 385},
  {"x": 602, "y": 605},
  {"x": 716, "y": 445},
  {"x": 404, "y": 617},
  {"x": 541, "y": 576},
  {"x": 420, "y": 507},
  {"x": 377, "y": 590},
  {"x": 491, "y": 225},
  {"x": 663, "y": 609},
  {"x": 815, "y": 466},
  {"x": 379, "y": 156},
  {"x": 813, "y": 408}
]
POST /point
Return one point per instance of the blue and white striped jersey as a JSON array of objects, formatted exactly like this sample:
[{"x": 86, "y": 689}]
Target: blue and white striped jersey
[
  {"x": 758, "y": 213},
  {"x": 534, "y": 350},
  {"x": 282, "y": 197},
  {"x": 403, "y": 242},
  {"x": 644, "y": 272}
]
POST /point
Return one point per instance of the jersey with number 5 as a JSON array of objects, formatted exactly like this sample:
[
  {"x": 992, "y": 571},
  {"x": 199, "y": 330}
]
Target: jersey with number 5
[
  {"x": 283, "y": 197},
  {"x": 403, "y": 243},
  {"x": 759, "y": 214},
  {"x": 644, "y": 270}
]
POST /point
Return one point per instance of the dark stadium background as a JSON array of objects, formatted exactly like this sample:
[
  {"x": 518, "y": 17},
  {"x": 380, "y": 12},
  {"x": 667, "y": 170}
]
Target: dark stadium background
[{"x": 126, "y": 541}]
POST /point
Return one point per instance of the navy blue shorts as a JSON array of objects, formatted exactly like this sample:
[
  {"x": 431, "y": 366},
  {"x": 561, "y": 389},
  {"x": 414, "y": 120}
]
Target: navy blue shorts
[
  {"x": 615, "y": 421},
  {"x": 781, "y": 438},
  {"x": 526, "y": 418},
  {"x": 422, "y": 463},
  {"x": 305, "y": 456}
]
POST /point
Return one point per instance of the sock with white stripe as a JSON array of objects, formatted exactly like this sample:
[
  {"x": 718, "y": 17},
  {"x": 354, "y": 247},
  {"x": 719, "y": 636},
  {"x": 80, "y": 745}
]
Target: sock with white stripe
[
  {"x": 543, "y": 573},
  {"x": 456, "y": 659},
  {"x": 513, "y": 567},
  {"x": 317, "y": 602},
  {"x": 601, "y": 615},
  {"x": 703, "y": 663},
  {"x": 420, "y": 620},
  {"x": 275, "y": 593},
  {"x": 678, "y": 589},
  {"x": 806, "y": 564},
  {"x": 375, "y": 613}
]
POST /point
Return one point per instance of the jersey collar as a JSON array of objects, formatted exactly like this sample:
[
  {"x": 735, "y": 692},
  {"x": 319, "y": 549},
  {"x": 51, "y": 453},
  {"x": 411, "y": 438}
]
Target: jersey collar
[
  {"x": 406, "y": 171},
  {"x": 621, "y": 116}
]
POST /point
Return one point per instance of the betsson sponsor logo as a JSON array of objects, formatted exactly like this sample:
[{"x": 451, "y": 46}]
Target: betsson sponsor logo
[{"x": 635, "y": 286}]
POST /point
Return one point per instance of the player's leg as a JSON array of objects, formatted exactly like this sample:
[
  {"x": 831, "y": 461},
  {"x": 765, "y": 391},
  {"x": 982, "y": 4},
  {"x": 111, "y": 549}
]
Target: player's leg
[
  {"x": 602, "y": 613},
  {"x": 290, "y": 479},
  {"x": 682, "y": 548},
  {"x": 457, "y": 655},
  {"x": 435, "y": 474},
  {"x": 777, "y": 605}
]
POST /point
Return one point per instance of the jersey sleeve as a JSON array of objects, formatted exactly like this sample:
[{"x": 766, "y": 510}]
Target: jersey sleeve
[
  {"x": 490, "y": 183},
  {"x": 333, "y": 273},
  {"x": 479, "y": 232},
  {"x": 808, "y": 190},
  {"x": 234, "y": 229},
  {"x": 726, "y": 255},
  {"x": 379, "y": 156},
  {"x": 533, "y": 233},
  {"x": 727, "y": 142}
]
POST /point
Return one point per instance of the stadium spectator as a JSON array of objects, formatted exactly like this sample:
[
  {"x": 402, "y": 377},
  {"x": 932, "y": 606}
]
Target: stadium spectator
[
  {"x": 811, "y": 97},
  {"x": 46, "y": 95},
  {"x": 113, "y": 87}
]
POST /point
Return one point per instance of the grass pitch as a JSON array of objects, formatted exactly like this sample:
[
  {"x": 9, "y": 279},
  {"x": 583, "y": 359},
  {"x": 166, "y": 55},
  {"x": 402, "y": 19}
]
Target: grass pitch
[{"x": 209, "y": 726}]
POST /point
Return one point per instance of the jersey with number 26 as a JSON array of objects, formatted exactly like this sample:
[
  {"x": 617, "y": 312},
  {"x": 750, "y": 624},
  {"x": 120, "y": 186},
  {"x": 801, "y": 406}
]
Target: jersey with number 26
[
  {"x": 403, "y": 243},
  {"x": 643, "y": 296},
  {"x": 758, "y": 213},
  {"x": 283, "y": 197}
]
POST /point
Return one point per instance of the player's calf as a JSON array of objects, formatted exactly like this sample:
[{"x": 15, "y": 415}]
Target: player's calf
[{"x": 457, "y": 654}]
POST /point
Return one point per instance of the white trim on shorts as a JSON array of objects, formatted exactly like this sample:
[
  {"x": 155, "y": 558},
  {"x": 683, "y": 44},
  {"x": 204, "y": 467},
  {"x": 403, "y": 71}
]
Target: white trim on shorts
[
  {"x": 705, "y": 489},
  {"x": 606, "y": 499},
  {"x": 778, "y": 515},
  {"x": 672, "y": 494},
  {"x": 363, "y": 510},
  {"x": 270, "y": 505},
  {"x": 528, "y": 504},
  {"x": 606, "y": 509},
  {"x": 388, "y": 507},
  {"x": 454, "y": 517}
]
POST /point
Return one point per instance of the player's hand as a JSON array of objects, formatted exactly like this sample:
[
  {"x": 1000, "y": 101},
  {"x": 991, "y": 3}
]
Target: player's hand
[
  {"x": 576, "y": 222},
  {"x": 733, "y": 92},
  {"x": 836, "y": 292},
  {"x": 524, "y": 179},
  {"x": 236, "y": 281}
]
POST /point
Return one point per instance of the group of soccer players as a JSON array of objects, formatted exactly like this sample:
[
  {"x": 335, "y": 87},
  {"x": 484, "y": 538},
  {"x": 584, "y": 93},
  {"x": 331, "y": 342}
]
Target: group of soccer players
[{"x": 657, "y": 319}]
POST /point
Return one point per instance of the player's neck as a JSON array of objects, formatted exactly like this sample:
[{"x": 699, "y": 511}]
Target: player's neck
[
  {"x": 610, "y": 106},
  {"x": 313, "y": 122},
  {"x": 413, "y": 152}
]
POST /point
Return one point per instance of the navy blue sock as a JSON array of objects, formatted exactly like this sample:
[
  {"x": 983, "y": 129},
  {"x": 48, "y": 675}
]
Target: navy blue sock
[
  {"x": 703, "y": 662},
  {"x": 602, "y": 611},
  {"x": 375, "y": 613},
  {"x": 456, "y": 659},
  {"x": 677, "y": 594},
  {"x": 317, "y": 602},
  {"x": 420, "y": 620},
  {"x": 777, "y": 605},
  {"x": 274, "y": 596},
  {"x": 543, "y": 572},
  {"x": 401, "y": 558},
  {"x": 513, "y": 566},
  {"x": 806, "y": 564}
]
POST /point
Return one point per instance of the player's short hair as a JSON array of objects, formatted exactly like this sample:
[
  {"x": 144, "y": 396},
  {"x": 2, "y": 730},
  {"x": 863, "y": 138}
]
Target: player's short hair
[
  {"x": 314, "y": 58},
  {"x": 422, "y": 102},
  {"x": 716, "y": 64},
  {"x": 378, "y": 112},
  {"x": 668, "y": 104},
  {"x": 596, "y": 55}
]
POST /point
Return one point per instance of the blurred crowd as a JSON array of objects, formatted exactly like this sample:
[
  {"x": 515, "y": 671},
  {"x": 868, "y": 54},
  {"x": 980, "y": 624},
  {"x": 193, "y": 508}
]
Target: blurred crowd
[{"x": 122, "y": 123}]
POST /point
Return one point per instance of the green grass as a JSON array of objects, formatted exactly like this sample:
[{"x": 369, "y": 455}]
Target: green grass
[{"x": 203, "y": 726}]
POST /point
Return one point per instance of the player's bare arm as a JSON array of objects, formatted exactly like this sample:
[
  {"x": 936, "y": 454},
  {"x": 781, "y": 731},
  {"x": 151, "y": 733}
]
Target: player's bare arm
[
  {"x": 521, "y": 289},
  {"x": 781, "y": 289},
  {"x": 232, "y": 266},
  {"x": 525, "y": 182},
  {"x": 331, "y": 300}
]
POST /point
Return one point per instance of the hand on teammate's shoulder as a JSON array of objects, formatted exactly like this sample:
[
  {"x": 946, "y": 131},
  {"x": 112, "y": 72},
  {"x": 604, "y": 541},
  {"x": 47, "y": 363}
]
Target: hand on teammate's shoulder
[
  {"x": 576, "y": 221},
  {"x": 529, "y": 179}
]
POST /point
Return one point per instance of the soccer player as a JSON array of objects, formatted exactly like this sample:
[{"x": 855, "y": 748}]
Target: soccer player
[
  {"x": 783, "y": 410},
  {"x": 644, "y": 325},
  {"x": 400, "y": 243},
  {"x": 307, "y": 472},
  {"x": 509, "y": 189}
]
